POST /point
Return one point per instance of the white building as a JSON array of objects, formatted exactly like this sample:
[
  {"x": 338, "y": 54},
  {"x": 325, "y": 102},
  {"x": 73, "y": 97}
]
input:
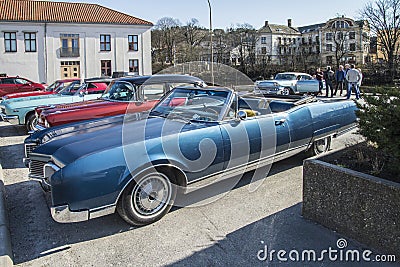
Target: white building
[
  {"x": 45, "y": 41},
  {"x": 339, "y": 40}
]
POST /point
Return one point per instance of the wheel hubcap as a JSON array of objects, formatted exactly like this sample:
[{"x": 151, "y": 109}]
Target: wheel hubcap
[{"x": 151, "y": 195}]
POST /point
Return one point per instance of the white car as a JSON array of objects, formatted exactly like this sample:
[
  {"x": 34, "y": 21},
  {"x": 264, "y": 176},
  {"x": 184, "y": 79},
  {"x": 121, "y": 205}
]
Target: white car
[{"x": 287, "y": 83}]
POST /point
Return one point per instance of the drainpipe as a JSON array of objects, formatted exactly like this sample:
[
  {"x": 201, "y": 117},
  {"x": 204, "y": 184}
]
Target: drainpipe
[
  {"x": 141, "y": 63},
  {"x": 45, "y": 51}
]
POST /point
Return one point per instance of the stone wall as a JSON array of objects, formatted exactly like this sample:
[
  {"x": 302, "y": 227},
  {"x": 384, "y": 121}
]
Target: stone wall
[{"x": 359, "y": 206}]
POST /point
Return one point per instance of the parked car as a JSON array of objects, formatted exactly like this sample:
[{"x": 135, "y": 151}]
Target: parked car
[
  {"x": 18, "y": 84},
  {"x": 22, "y": 110},
  {"x": 144, "y": 91},
  {"x": 288, "y": 83},
  {"x": 134, "y": 165},
  {"x": 54, "y": 88}
]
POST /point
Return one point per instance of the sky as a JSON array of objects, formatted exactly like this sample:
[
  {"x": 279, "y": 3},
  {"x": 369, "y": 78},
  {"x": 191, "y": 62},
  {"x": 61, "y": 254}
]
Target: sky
[{"x": 227, "y": 13}]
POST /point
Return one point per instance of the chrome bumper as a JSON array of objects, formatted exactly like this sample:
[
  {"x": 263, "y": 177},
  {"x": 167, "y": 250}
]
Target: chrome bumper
[
  {"x": 13, "y": 119},
  {"x": 63, "y": 214}
]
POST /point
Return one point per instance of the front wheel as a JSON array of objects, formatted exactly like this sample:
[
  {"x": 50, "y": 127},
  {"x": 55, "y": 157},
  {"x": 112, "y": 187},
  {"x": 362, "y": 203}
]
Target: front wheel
[
  {"x": 147, "y": 199},
  {"x": 31, "y": 122}
]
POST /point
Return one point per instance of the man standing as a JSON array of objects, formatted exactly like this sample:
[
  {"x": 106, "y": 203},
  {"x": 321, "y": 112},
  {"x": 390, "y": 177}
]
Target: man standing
[
  {"x": 339, "y": 77},
  {"x": 320, "y": 76},
  {"x": 329, "y": 76},
  {"x": 353, "y": 77}
]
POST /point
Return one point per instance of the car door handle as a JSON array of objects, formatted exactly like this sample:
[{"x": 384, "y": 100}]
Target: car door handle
[{"x": 280, "y": 122}]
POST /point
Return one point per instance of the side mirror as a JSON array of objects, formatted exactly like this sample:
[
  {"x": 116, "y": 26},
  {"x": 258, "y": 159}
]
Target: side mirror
[
  {"x": 81, "y": 93},
  {"x": 242, "y": 115}
]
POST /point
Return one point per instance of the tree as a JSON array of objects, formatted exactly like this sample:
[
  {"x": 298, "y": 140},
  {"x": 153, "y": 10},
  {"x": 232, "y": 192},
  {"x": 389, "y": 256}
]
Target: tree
[
  {"x": 169, "y": 30},
  {"x": 384, "y": 20},
  {"x": 339, "y": 44},
  {"x": 193, "y": 35}
]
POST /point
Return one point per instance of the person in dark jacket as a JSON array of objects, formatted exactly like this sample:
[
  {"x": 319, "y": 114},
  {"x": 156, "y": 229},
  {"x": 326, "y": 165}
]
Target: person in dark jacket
[
  {"x": 340, "y": 77},
  {"x": 329, "y": 76}
]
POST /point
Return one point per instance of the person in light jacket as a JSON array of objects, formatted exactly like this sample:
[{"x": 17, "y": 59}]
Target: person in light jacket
[{"x": 353, "y": 77}]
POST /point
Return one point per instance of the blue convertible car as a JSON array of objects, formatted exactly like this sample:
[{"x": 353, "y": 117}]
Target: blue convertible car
[{"x": 135, "y": 164}]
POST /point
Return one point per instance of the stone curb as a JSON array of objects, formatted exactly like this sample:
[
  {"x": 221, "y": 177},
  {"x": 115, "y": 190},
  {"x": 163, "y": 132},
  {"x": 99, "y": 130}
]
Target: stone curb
[{"x": 6, "y": 258}]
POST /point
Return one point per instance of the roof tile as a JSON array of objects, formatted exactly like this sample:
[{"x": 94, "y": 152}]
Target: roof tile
[{"x": 61, "y": 12}]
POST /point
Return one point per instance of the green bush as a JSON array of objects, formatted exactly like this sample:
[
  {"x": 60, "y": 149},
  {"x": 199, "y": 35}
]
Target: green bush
[{"x": 379, "y": 123}]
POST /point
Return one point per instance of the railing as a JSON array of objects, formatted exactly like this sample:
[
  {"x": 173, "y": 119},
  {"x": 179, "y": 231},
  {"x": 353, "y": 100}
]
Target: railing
[{"x": 69, "y": 52}]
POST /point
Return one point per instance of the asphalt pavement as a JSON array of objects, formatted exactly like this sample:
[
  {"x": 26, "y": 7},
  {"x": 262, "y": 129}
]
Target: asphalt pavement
[{"x": 238, "y": 227}]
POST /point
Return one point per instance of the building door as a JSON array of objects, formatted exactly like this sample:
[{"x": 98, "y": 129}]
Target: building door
[{"x": 70, "y": 69}]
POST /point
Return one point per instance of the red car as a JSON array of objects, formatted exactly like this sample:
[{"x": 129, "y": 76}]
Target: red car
[
  {"x": 144, "y": 91},
  {"x": 18, "y": 84},
  {"x": 51, "y": 89}
]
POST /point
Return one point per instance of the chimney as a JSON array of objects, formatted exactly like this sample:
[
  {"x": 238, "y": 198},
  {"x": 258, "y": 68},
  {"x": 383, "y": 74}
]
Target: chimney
[
  {"x": 266, "y": 23},
  {"x": 289, "y": 22}
]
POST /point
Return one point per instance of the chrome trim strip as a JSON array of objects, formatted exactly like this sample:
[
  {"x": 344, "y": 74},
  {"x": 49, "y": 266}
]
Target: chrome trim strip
[
  {"x": 62, "y": 214},
  {"x": 252, "y": 165}
]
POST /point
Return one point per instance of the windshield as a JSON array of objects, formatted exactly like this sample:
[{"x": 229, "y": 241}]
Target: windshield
[
  {"x": 192, "y": 104},
  {"x": 51, "y": 87},
  {"x": 119, "y": 90},
  {"x": 285, "y": 76},
  {"x": 71, "y": 89}
]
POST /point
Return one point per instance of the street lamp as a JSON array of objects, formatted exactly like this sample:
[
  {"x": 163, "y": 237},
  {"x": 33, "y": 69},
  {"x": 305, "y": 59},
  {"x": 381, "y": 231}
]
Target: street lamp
[{"x": 211, "y": 43}]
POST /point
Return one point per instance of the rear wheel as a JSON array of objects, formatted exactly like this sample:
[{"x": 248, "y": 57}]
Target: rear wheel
[
  {"x": 147, "y": 199},
  {"x": 320, "y": 146},
  {"x": 31, "y": 122},
  {"x": 286, "y": 91}
]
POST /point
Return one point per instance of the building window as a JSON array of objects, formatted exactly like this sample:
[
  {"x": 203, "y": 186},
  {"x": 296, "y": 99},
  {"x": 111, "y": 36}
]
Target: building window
[
  {"x": 340, "y": 36},
  {"x": 105, "y": 42},
  {"x": 329, "y": 47},
  {"x": 30, "y": 42},
  {"x": 309, "y": 40},
  {"x": 10, "y": 41},
  {"x": 134, "y": 65},
  {"x": 69, "y": 45},
  {"x": 352, "y": 35},
  {"x": 329, "y": 36},
  {"x": 105, "y": 67},
  {"x": 133, "y": 43},
  {"x": 329, "y": 60},
  {"x": 317, "y": 39},
  {"x": 279, "y": 40},
  {"x": 353, "y": 47},
  {"x": 263, "y": 50},
  {"x": 340, "y": 24},
  {"x": 263, "y": 40},
  {"x": 294, "y": 40}
]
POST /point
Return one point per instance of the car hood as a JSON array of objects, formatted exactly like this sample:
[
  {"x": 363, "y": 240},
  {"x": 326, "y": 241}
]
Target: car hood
[
  {"x": 33, "y": 101},
  {"x": 25, "y": 94},
  {"x": 75, "y": 106},
  {"x": 70, "y": 148}
]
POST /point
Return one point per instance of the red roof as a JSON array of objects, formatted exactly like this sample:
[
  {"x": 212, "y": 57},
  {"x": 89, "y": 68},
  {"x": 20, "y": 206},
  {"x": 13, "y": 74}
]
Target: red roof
[{"x": 60, "y": 12}]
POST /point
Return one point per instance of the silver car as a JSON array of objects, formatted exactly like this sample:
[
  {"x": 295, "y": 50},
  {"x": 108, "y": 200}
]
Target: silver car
[{"x": 287, "y": 83}]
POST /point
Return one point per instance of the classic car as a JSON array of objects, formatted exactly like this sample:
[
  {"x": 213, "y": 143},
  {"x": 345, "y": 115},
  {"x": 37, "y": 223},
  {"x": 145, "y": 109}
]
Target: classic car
[
  {"x": 286, "y": 83},
  {"x": 22, "y": 110},
  {"x": 136, "y": 165},
  {"x": 54, "y": 88},
  {"x": 18, "y": 84},
  {"x": 144, "y": 91}
]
